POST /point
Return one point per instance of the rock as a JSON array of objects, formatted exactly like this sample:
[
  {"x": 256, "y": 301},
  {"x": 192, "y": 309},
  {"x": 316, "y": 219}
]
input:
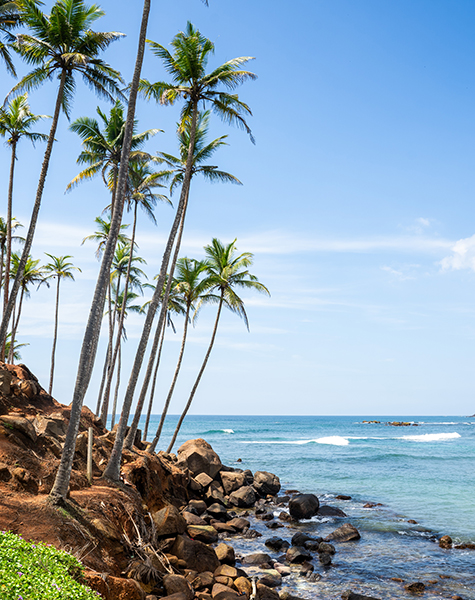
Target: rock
[
  {"x": 266, "y": 516},
  {"x": 445, "y": 541},
  {"x": 20, "y": 424},
  {"x": 312, "y": 544},
  {"x": 222, "y": 527},
  {"x": 412, "y": 522},
  {"x": 227, "y": 581},
  {"x": 304, "y": 506},
  {"x": 266, "y": 483},
  {"x": 244, "y": 497},
  {"x": 276, "y": 543},
  {"x": 282, "y": 569},
  {"x": 349, "y": 595},
  {"x": 271, "y": 578},
  {"x": 25, "y": 479},
  {"x": 323, "y": 547},
  {"x": 177, "y": 596},
  {"x": 215, "y": 493},
  {"x": 198, "y": 505},
  {"x": 283, "y": 516},
  {"x": 29, "y": 388},
  {"x": 5, "y": 474},
  {"x": 465, "y": 546},
  {"x": 287, "y": 595},
  {"x": 266, "y": 593},
  {"x": 251, "y": 534},
  {"x": 415, "y": 588},
  {"x": 199, "y": 457},
  {"x": 239, "y": 523},
  {"x": 81, "y": 444},
  {"x": 196, "y": 555},
  {"x": 217, "y": 511},
  {"x": 306, "y": 568},
  {"x": 203, "y": 479},
  {"x": 330, "y": 511},
  {"x": 299, "y": 538},
  {"x": 169, "y": 521},
  {"x": 343, "y": 497},
  {"x": 258, "y": 558},
  {"x": 225, "y": 554},
  {"x": 192, "y": 519},
  {"x": 177, "y": 584},
  {"x": 203, "y": 533},
  {"x": 227, "y": 571},
  {"x": 372, "y": 504},
  {"x": 53, "y": 425},
  {"x": 204, "y": 580},
  {"x": 243, "y": 586},
  {"x": 345, "y": 533},
  {"x": 325, "y": 558},
  {"x": 223, "y": 592},
  {"x": 232, "y": 481},
  {"x": 297, "y": 555},
  {"x": 249, "y": 477},
  {"x": 274, "y": 525},
  {"x": 5, "y": 380}
]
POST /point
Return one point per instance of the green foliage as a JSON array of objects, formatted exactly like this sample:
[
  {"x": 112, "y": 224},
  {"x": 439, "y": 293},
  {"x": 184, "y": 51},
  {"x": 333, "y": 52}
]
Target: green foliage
[{"x": 35, "y": 571}]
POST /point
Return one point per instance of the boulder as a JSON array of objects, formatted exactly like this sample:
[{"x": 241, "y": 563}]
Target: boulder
[
  {"x": 222, "y": 527},
  {"x": 215, "y": 493},
  {"x": 258, "y": 558},
  {"x": 226, "y": 571},
  {"x": 345, "y": 533},
  {"x": 343, "y": 497},
  {"x": 445, "y": 542},
  {"x": 197, "y": 556},
  {"x": 276, "y": 543},
  {"x": 198, "y": 505},
  {"x": 225, "y": 554},
  {"x": 299, "y": 538},
  {"x": 244, "y": 497},
  {"x": 239, "y": 523},
  {"x": 223, "y": 592},
  {"x": 20, "y": 424},
  {"x": 5, "y": 381},
  {"x": 330, "y": 511},
  {"x": 193, "y": 519},
  {"x": 232, "y": 481},
  {"x": 304, "y": 506},
  {"x": 265, "y": 593},
  {"x": 169, "y": 521},
  {"x": 271, "y": 578},
  {"x": 203, "y": 479},
  {"x": 415, "y": 588},
  {"x": 297, "y": 555},
  {"x": 203, "y": 580},
  {"x": 203, "y": 533},
  {"x": 53, "y": 425},
  {"x": 199, "y": 457},
  {"x": 325, "y": 558},
  {"x": 177, "y": 584},
  {"x": 266, "y": 483},
  {"x": 349, "y": 595},
  {"x": 243, "y": 586},
  {"x": 324, "y": 547},
  {"x": 306, "y": 568},
  {"x": 217, "y": 511}
]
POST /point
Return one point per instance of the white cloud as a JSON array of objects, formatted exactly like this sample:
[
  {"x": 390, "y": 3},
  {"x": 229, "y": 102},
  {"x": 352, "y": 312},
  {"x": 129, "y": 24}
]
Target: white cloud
[{"x": 462, "y": 257}]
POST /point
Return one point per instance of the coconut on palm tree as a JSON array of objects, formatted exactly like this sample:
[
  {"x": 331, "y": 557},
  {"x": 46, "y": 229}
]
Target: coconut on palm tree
[
  {"x": 226, "y": 271},
  {"x": 62, "y": 45},
  {"x": 59, "y": 268},
  {"x": 16, "y": 121}
]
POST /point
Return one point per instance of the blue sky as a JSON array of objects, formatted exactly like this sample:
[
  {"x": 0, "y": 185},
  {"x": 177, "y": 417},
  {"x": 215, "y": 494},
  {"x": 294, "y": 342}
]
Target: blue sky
[{"x": 357, "y": 204}]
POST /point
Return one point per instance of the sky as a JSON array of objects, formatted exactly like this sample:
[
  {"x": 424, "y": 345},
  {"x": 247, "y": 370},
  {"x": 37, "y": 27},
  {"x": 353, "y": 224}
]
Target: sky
[{"x": 357, "y": 203}]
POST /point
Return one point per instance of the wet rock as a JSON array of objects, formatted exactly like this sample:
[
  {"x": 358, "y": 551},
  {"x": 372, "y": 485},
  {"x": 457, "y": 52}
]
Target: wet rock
[
  {"x": 258, "y": 558},
  {"x": 330, "y": 511},
  {"x": 300, "y": 538},
  {"x": 222, "y": 527},
  {"x": 282, "y": 569},
  {"x": 195, "y": 554},
  {"x": 412, "y": 522},
  {"x": 327, "y": 548},
  {"x": 306, "y": 568},
  {"x": 203, "y": 533},
  {"x": 313, "y": 544},
  {"x": 177, "y": 584},
  {"x": 276, "y": 543},
  {"x": 297, "y": 555},
  {"x": 265, "y": 593},
  {"x": 445, "y": 541},
  {"x": 287, "y": 595},
  {"x": 372, "y": 504},
  {"x": 349, "y": 595},
  {"x": 168, "y": 521},
  {"x": 232, "y": 481},
  {"x": 415, "y": 588},
  {"x": 465, "y": 546},
  {"x": 217, "y": 511},
  {"x": 345, "y": 533},
  {"x": 343, "y": 497},
  {"x": 283, "y": 516},
  {"x": 244, "y": 497},
  {"x": 252, "y": 534},
  {"x": 325, "y": 558},
  {"x": 225, "y": 554},
  {"x": 271, "y": 578},
  {"x": 266, "y": 483},
  {"x": 304, "y": 506},
  {"x": 199, "y": 457},
  {"x": 239, "y": 523},
  {"x": 274, "y": 525}
]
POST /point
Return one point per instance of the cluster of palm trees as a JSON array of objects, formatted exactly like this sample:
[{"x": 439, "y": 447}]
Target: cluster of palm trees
[{"x": 61, "y": 46}]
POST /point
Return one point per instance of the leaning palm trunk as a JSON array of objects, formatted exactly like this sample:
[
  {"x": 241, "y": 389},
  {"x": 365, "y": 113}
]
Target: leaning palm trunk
[
  {"x": 161, "y": 322},
  {"x": 154, "y": 382},
  {"x": 15, "y": 323},
  {"x": 193, "y": 391},
  {"x": 120, "y": 326},
  {"x": 112, "y": 320},
  {"x": 103, "y": 381},
  {"x": 116, "y": 392},
  {"x": 91, "y": 335},
  {"x": 112, "y": 470},
  {"x": 9, "y": 229},
  {"x": 55, "y": 337},
  {"x": 107, "y": 360},
  {"x": 34, "y": 217},
  {"x": 175, "y": 377}
]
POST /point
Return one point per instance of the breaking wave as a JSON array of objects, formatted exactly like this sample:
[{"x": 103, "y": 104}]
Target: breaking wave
[{"x": 430, "y": 437}]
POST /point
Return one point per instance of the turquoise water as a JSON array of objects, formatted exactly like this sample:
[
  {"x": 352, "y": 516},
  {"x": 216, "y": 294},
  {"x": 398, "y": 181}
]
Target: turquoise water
[{"x": 423, "y": 472}]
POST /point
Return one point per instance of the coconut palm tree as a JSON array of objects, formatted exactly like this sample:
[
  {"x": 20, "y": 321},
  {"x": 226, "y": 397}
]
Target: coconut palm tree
[
  {"x": 102, "y": 149},
  {"x": 63, "y": 46},
  {"x": 16, "y": 121},
  {"x": 190, "y": 82},
  {"x": 59, "y": 268},
  {"x": 16, "y": 346},
  {"x": 226, "y": 271},
  {"x": 4, "y": 237},
  {"x": 189, "y": 284},
  {"x": 30, "y": 274},
  {"x": 9, "y": 19}
]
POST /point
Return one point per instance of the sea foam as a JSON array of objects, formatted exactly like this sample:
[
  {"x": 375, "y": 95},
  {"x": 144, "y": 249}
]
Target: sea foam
[{"x": 430, "y": 437}]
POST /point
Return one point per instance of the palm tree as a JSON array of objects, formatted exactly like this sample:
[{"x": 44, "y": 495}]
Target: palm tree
[
  {"x": 58, "y": 268},
  {"x": 187, "y": 68},
  {"x": 16, "y": 122},
  {"x": 16, "y": 346},
  {"x": 9, "y": 19},
  {"x": 30, "y": 274},
  {"x": 63, "y": 46},
  {"x": 102, "y": 149},
  {"x": 226, "y": 271},
  {"x": 189, "y": 284},
  {"x": 4, "y": 237}
]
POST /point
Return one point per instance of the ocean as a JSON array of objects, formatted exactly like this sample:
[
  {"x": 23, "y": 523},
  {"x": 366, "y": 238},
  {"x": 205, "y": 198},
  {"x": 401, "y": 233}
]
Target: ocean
[{"x": 423, "y": 472}]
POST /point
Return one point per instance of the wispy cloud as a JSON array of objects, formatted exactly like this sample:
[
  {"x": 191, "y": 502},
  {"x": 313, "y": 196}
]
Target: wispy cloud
[{"x": 462, "y": 256}]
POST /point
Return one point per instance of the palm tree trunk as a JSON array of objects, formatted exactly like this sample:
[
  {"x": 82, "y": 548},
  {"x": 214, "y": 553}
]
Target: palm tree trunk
[
  {"x": 9, "y": 228},
  {"x": 116, "y": 391},
  {"x": 112, "y": 470},
  {"x": 172, "y": 387},
  {"x": 36, "y": 210},
  {"x": 2, "y": 258},
  {"x": 103, "y": 381},
  {"x": 162, "y": 319},
  {"x": 122, "y": 312},
  {"x": 154, "y": 381},
  {"x": 55, "y": 337},
  {"x": 11, "y": 354},
  {"x": 107, "y": 361},
  {"x": 193, "y": 391},
  {"x": 91, "y": 335}
]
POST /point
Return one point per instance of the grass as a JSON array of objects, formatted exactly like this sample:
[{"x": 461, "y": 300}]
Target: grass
[{"x": 36, "y": 571}]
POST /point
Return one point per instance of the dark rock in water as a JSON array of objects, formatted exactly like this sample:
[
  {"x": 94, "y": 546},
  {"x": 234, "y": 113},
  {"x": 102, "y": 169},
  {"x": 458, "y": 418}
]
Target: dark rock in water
[
  {"x": 330, "y": 511},
  {"x": 300, "y": 538},
  {"x": 252, "y": 534},
  {"x": 343, "y": 497},
  {"x": 271, "y": 578},
  {"x": 292, "y": 492},
  {"x": 286, "y": 595},
  {"x": 325, "y": 558},
  {"x": 304, "y": 506},
  {"x": 267, "y": 516},
  {"x": 326, "y": 548},
  {"x": 345, "y": 533},
  {"x": 445, "y": 541},
  {"x": 239, "y": 523},
  {"x": 415, "y": 588},
  {"x": 372, "y": 504},
  {"x": 312, "y": 545},
  {"x": 283, "y": 516},
  {"x": 276, "y": 543},
  {"x": 412, "y": 522},
  {"x": 313, "y": 577},
  {"x": 274, "y": 525},
  {"x": 349, "y": 595},
  {"x": 217, "y": 511},
  {"x": 297, "y": 555},
  {"x": 244, "y": 497},
  {"x": 283, "y": 499},
  {"x": 266, "y": 483},
  {"x": 466, "y": 546},
  {"x": 258, "y": 558},
  {"x": 306, "y": 568},
  {"x": 266, "y": 593}
]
